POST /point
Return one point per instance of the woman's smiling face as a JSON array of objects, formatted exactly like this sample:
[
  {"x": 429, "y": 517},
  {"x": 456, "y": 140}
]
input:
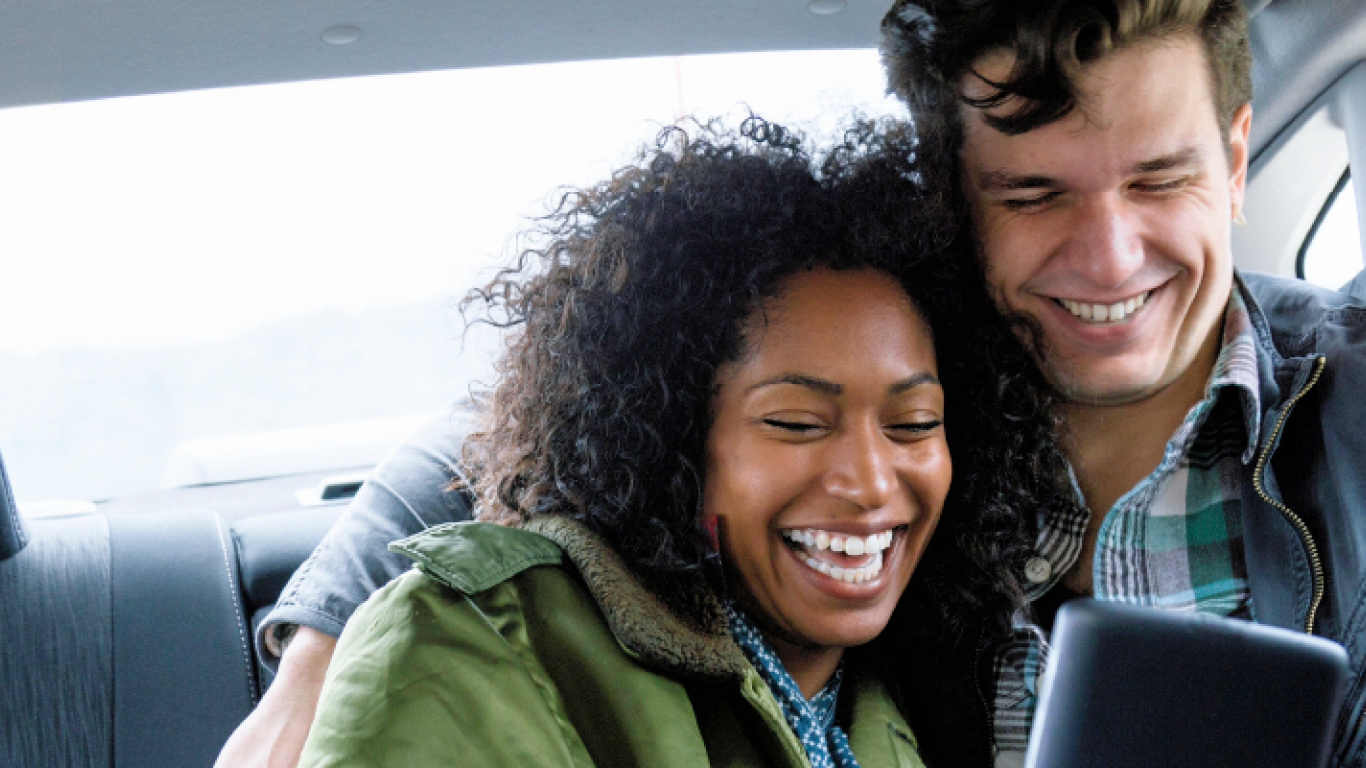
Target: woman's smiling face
[{"x": 827, "y": 464}]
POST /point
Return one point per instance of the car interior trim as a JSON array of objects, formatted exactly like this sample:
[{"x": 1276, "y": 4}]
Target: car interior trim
[
  {"x": 1327, "y": 206},
  {"x": 57, "y": 663},
  {"x": 13, "y": 535}
]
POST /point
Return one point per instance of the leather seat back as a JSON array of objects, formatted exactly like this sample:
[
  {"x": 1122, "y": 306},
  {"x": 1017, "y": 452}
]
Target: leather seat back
[
  {"x": 56, "y": 648},
  {"x": 124, "y": 642},
  {"x": 184, "y": 676}
]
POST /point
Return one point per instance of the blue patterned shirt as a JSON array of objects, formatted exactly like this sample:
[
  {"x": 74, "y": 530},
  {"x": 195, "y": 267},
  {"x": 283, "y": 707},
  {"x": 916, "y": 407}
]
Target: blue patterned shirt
[{"x": 813, "y": 721}]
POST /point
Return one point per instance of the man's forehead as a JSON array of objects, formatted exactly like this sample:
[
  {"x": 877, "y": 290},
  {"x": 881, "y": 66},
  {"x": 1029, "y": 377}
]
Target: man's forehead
[
  {"x": 1140, "y": 109},
  {"x": 1178, "y": 58},
  {"x": 996, "y": 64}
]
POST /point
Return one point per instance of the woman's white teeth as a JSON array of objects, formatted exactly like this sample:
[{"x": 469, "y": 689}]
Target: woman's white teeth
[
  {"x": 849, "y": 575},
  {"x": 854, "y": 546},
  {"x": 1106, "y": 313}
]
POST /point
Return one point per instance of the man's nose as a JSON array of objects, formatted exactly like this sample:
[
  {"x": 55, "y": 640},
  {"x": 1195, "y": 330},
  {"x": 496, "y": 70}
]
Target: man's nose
[
  {"x": 1106, "y": 246},
  {"x": 862, "y": 469}
]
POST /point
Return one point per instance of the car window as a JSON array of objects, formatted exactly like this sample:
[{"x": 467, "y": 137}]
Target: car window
[
  {"x": 1331, "y": 255},
  {"x": 195, "y": 266}
]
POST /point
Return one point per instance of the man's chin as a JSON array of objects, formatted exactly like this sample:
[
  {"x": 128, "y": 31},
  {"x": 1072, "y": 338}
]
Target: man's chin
[{"x": 1103, "y": 391}]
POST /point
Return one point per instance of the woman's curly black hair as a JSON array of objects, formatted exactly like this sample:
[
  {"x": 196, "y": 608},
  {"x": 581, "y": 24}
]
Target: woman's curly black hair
[{"x": 635, "y": 291}]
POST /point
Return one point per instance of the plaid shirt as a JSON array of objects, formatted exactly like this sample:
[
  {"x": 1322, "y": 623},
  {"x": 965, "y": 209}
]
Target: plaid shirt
[{"x": 1174, "y": 541}]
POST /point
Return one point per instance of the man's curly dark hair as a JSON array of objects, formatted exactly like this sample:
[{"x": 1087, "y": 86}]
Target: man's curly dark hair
[
  {"x": 635, "y": 291},
  {"x": 929, "y": 46}
]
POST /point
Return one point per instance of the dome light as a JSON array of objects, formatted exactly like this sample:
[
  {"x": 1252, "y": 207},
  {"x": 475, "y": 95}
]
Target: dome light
[{"x": 341, "y": 35}]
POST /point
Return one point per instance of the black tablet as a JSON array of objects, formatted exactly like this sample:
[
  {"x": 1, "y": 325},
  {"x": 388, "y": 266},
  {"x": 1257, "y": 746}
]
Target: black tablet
[{"x": 1130, "y": 686}]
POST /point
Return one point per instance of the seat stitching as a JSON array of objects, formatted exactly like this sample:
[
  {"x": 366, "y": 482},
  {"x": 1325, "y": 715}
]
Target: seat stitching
[{"x": 236, "y": 608}]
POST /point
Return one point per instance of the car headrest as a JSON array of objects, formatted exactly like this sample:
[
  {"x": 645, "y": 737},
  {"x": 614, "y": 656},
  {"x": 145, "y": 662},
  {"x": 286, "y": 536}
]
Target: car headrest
[
  {"x": 271, "y": 547},
  {"x": 13, "y": 537}
]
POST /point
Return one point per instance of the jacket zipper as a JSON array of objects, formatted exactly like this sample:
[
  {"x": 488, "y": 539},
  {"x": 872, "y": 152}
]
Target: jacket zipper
[
  {"x": 1258, "y": 482},
  {"x": 1314, "y": 560}
]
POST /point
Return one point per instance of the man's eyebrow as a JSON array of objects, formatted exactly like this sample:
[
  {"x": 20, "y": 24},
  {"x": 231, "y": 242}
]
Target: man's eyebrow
[
  {"x": 1006, "y": 181},
  {"x": 1185, "y": 157},
  {"x": 911, "y": 382},
  {"x": 810, "y": 382},
  {"x": 1002, "y": 180}
]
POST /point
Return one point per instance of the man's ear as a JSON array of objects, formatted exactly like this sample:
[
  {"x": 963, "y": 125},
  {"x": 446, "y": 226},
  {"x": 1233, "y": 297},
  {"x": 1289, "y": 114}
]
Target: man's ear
[{"x": 1239, "y": 150}]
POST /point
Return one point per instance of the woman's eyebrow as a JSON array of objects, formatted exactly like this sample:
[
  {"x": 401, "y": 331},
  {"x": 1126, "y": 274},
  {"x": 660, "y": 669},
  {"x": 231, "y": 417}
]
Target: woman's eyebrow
[
  {"x": 831, "y": 388},
  {"x": 911, "y": 382},
  {"x": 810, "y": 382}
]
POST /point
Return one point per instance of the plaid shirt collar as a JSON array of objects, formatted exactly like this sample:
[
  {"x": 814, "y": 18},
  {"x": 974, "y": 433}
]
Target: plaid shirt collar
[{"x": 1234, "y": 372}]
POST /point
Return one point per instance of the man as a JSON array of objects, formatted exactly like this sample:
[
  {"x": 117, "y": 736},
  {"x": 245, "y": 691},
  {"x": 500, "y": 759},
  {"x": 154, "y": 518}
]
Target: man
[{"x": 1211, "y": 419}]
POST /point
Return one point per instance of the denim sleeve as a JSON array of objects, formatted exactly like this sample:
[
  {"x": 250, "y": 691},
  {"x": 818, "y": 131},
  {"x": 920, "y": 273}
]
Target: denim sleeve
[
  {"x": 1356, "y": 287},
  {"x": 409, "y": 491}
]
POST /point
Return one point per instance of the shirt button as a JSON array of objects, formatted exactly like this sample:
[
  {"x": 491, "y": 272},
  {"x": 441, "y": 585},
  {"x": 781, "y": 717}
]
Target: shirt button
[{"x": 1037, "y": 570}]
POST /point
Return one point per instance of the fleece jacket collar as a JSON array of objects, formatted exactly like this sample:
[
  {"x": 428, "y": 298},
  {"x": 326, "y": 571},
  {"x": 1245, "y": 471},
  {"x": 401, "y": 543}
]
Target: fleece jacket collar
[{"x": 471, "y": 557}]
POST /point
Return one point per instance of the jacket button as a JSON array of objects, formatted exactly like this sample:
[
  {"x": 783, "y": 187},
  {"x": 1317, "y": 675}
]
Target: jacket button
[{"x": 1037, "y": 570}]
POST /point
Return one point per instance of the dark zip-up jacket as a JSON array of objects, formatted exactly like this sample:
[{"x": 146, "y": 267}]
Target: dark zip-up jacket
[
  {"x": 1304, "y": 498},
  {"x": 1304, "y": 518}
]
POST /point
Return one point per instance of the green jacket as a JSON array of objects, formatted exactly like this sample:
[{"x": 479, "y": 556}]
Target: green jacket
[{"x": 495, "y": 651}]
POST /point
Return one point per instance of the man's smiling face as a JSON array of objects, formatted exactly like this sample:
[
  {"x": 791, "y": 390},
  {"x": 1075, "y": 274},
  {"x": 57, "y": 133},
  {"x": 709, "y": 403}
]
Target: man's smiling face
[{"x": 1110, "y": 227}]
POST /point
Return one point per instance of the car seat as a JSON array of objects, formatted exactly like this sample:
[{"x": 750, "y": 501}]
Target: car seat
[{"x": 123, "y": 639}]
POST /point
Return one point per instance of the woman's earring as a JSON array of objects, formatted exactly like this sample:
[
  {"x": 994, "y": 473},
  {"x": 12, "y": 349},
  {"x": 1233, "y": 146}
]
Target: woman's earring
[
  {"x": 710, "y": 524},
  {"x": 1239, "y": 218}
]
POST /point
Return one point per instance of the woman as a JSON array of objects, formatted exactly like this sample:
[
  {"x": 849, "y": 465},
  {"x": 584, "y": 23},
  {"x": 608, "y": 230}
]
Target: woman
[{"x": 715, "y": 455}]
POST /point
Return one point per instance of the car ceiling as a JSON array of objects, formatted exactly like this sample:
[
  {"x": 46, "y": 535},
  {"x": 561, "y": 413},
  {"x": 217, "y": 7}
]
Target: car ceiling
[
  {"x": 75, "y": 50},
  {"x": 1299, "y": 48}
]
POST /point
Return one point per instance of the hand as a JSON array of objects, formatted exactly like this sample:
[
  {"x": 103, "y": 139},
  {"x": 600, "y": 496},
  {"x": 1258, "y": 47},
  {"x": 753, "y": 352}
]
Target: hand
[{"x": 273, "y": 735}]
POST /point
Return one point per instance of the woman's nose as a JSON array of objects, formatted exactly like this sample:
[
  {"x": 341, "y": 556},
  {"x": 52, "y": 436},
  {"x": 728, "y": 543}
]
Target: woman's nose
[{"x": 862, "y": 469}]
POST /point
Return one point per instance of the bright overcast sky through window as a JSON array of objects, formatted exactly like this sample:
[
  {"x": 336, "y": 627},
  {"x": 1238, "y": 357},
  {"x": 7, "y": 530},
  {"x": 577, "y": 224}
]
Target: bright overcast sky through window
[
  {"x": 208, "y": 265},
  {"x": 182, "y": 217}
]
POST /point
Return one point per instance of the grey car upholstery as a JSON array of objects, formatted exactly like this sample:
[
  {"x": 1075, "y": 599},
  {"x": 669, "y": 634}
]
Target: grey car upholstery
[
  {"x": 125, "y": 642},
  {"x": 56, "y": 668},
  {"x": 127, "y": 636},
  {"x": 183, "y": 671},
  {"x": 13, "y": 537},
  {"x": 270, "y": 548}
]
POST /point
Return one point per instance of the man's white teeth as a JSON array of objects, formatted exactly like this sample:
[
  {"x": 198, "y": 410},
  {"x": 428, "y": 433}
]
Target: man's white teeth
[
  {"x": 849, "y": 575},
  {"x": 1107, "y": 313},
  {"x": 854, "y": 546}
]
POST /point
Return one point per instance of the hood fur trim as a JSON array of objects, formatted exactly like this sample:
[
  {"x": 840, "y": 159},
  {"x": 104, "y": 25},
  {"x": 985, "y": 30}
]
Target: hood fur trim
[{"x": 642, "y": 622}]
